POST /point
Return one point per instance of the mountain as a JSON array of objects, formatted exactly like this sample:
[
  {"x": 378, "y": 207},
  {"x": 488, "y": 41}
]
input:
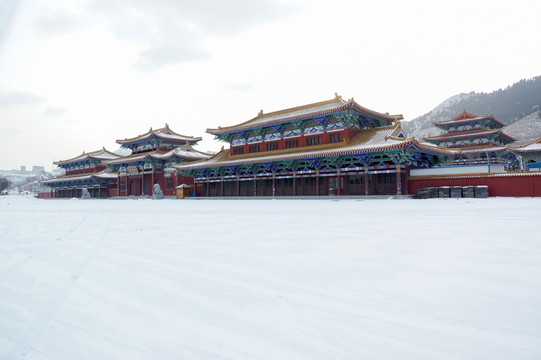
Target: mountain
[
  {"x": 526, "y": 129},
  {"x": 507, "y": 105}
]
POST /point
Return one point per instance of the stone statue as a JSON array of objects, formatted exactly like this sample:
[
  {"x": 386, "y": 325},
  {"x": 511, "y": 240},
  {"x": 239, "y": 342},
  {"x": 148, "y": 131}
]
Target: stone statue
[
  {"x": 157, "y": 192},
  {"x": 85, "y": 194}
]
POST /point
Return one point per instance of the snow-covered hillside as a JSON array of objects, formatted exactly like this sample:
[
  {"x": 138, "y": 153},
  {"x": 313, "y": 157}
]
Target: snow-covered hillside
[
  {"x": 270, "y": 279},
  {"x": 423, "y": 126},
  {"x": 526, "y": 129}
]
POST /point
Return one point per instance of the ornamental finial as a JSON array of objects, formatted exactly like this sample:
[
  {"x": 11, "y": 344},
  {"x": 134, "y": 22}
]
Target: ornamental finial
[{"x": 260, "y": 112}]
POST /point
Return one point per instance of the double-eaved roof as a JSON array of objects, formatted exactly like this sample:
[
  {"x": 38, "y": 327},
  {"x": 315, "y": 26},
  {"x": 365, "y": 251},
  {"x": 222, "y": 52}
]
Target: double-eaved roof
[
  {"x": 381, "y": 139},
  {"x": 309, "y": 111}
]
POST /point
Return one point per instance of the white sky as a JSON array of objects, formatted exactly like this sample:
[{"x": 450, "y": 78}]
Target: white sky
[{"x": 76, "y": 75}]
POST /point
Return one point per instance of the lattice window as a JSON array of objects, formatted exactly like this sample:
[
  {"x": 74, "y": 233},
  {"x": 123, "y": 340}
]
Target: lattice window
[
  {"x": 272, "y": 146},
  {"x": 290, "y": 144},
  {"x": 311, "y": 141},
  {"x": 335, "y": 138}
]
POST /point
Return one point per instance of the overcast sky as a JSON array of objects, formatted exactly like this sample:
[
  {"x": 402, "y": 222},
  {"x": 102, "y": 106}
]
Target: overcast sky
[{"x": 76, "y": 75}]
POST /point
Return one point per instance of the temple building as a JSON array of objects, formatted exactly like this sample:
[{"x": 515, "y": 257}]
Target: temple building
[
  {"x": 474, "y": 139},
  {"x": 333, "y": 147},
  {"x": 153, "y": 155},
  {"x": 107, "y": 174},
  {"x": 84, "y": 171},
  {"x": 529, "y": 155}
]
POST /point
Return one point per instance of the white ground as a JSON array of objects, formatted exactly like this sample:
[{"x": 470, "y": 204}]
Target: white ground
[{"x": 270, "y": 279}]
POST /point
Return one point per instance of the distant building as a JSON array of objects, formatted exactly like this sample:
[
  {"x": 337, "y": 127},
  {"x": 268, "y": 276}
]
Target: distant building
[
  {"x": 474, "y": 139},
  {"x": 23, "y": 168},
  {"x": 38, "y": 169}
]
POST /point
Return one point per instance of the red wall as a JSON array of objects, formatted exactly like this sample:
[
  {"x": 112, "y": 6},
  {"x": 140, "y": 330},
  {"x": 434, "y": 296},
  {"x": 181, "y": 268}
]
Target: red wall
[
  {"x": 518, "y": 185},
  {"x": 346, "y": 134}
]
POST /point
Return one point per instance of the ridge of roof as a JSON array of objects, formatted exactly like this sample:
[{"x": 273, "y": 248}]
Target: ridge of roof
[{"x": 166, "y": 130}]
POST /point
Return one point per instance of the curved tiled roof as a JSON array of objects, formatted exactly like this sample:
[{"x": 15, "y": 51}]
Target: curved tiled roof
[
  {"x": 163, "y": 133},
  {"x": 531, "y": 146},
  {"x": 303, "y": 112},
  {"x": 104, "y": 174},
  {"x": 468, "y": 133},
  {"x": 466, "y": 117},
  {"x": 186, "y": 151},
  {"x": 102, "y": 154},
  {"x": 366, "y": 141}
]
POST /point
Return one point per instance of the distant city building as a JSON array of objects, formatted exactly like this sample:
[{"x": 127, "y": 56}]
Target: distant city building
[
  {"x": 23, "y": 168},
  {"x": 38, "y": 169}
]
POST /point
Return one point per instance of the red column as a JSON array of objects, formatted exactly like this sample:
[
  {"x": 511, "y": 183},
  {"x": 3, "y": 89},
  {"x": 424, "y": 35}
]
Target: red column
[
  {"x": 338, "y": 189},
  {"x": 398, "y": 181},
  {"x": 255, "y": 185},
  {"x": 223, "y": 190},
  {"x": 366, "y": 182},
  {"x": 317, "y": 183}
]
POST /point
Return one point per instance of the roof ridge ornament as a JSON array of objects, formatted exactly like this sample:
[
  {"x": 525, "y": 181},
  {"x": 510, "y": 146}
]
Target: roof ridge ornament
[
  {"x": 337, "y": 97},
  {"x": 260, "y": 113}
]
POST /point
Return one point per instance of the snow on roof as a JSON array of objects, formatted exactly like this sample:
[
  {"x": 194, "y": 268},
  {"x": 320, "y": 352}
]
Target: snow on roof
[
  {"x": 532, "y": 146},
  {"x": 104, "y": 174},
  {"x": 303, "y": 112},
  {"x": 102, "y": 154},
  {"x": 371, "y": 140},
  {"x": 186, "y": 151},
  {"x": 466, "y": 117}
]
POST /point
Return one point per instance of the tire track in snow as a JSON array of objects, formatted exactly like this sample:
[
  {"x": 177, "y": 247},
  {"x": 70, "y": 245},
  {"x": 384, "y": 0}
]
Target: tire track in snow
[{"x": 25, "y": 344}]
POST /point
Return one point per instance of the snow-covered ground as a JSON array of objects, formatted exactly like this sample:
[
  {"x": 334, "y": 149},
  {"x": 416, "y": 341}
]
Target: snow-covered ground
[{"x": 270, "y": 279}]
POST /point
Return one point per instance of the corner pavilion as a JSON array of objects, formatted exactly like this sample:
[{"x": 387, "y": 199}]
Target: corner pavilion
[{"x": 332, "y": 147}]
